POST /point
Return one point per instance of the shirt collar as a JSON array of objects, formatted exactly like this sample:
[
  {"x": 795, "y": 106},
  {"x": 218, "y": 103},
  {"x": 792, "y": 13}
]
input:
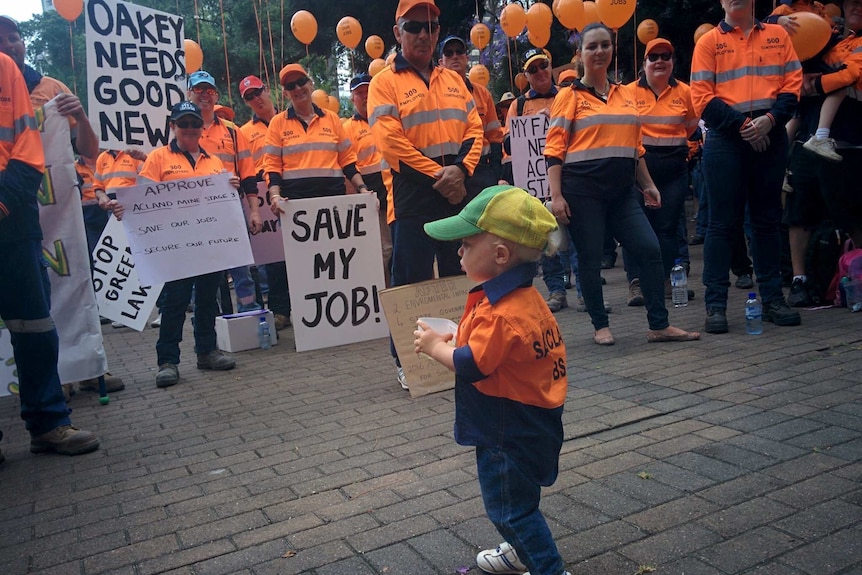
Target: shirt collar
[
  {"x": 402, "y": 64},
  {"x": 256, "y": 118},
  {"x": 31, "y": 78},
  {"x": 359, "y": 118},
  {"x": 725, "y": 27},
  {"x": 291, "y": 112},
  {"x": 519, "y": 276},
  {"x": 176, "y": 149},
  {"x": 551, "y": 93},
  {"x": 642, "y": 81}
]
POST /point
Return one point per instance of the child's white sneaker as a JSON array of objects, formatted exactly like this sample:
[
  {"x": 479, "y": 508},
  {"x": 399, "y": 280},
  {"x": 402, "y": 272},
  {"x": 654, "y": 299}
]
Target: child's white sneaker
[
  {"x": 823, "y": 147},
  {"x": 502, "y": 560}
]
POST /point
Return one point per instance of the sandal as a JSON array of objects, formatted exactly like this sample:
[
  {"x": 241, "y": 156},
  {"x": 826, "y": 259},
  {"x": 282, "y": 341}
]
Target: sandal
[
  {"x": 604, "y": 339},
  {"x": 660, "y": 336}
]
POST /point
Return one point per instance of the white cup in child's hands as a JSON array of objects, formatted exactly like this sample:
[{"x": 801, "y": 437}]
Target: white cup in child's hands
[{"x": 441, "y": 325}]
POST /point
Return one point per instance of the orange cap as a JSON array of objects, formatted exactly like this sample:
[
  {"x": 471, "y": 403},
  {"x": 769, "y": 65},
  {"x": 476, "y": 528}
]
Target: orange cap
[
  {"x": 658, "y": 43},
  {"x": 404, "y": 6},
  {"x": 225, "y": 112},
  {"x": 290, "y": 69}
]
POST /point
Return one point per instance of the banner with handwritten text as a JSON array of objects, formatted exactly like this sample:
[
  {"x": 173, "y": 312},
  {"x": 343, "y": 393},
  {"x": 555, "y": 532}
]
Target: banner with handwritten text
[{"x": 527, "y": 137}]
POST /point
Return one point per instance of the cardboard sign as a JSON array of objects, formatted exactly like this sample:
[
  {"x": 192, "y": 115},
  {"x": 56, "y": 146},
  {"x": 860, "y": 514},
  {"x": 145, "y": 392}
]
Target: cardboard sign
[
  {"x": 267, "y": 246},
  {"x": 527, "y": 137},
  {"x": 136, "y": 73},
  {"x": 334, "y": 270},
  {"x": 185, "y": 228},
  {"x": 443, "y": 298},
  {"x": 118, "y": 290}
]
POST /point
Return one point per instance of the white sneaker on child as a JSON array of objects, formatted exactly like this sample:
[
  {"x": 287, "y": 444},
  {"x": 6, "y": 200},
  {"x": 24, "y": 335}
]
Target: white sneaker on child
[
  {"x": 823, "y": 147},
  {"x": 402, "y": 379},
  {"x": 502, "y": 560}
]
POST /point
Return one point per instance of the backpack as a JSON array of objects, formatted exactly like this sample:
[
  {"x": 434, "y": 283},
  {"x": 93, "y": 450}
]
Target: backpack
[
  {"x": 821, "y": 259},
  {"x": 849, "y": 266}
]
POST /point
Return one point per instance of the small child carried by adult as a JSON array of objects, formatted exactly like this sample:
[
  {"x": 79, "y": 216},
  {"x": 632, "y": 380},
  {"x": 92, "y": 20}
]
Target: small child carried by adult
[{"x": 510, "y": 371}]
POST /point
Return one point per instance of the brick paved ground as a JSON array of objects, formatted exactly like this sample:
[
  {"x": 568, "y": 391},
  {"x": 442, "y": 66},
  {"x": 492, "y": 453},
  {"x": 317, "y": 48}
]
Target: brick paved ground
[{"x": 733, "y": 455}]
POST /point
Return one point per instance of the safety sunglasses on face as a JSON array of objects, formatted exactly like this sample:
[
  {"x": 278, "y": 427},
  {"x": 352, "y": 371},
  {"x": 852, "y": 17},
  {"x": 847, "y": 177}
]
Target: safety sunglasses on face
[
  {"x": 543, "y": 65},
  {"x": 185, "y": 124},
  {"x": 413, "y": 27},
  {"x": 289, "y": 86},
  {"x": 252, "y": 94},
  {"x": 454, "y": 52},
  {"x": 204, "y": 90},
  {"x": 665, "y": 56}
]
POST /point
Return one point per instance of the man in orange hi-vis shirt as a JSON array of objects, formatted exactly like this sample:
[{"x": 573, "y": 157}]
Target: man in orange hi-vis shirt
[
  {"x": 24, "y": 303},
  {"x": 745, "y": 83}
]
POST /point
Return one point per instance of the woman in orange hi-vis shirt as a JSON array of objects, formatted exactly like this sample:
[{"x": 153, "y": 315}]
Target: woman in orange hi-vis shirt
[
  {"x": 593, "y": 151},
  {"x": 745, "y": 83}
]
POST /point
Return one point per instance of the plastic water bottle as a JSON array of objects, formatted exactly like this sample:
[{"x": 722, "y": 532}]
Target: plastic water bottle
[
  {"x": 753, "y": 315},
  {"x": 679, "y": 285},
  {"x": 263, "y": 334}
]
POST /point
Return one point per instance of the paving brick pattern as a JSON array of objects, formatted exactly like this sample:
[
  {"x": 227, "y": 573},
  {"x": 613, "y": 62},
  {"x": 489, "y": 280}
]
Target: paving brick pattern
[{"x": 733, "y": 455}]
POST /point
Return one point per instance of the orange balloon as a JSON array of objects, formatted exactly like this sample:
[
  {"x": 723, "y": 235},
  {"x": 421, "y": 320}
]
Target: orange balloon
[
  {"x": 303, "y": 24},
  {"x": 69, "y": 9},
  {"x": 811, "y": 36},
  {"x": 512, "y": 20},
  {"x": 591, "y": 13},
  {"x": 647, "y": 30},
  {"x": 333, "y": 104},
  {"x": 539, "y": 16},
  {"x": 376, "y": 66},
  {"x": 374, "y": 46},
  {"x": 479, "y": 75},
  {"x": 539, "y": 39},
  {"x": 701, "y": 30},
  {"x": 320, "y": 98},
  {"x": 390, "y": 57},
  {"x": 521, "y": 81},
  {"x": 349, "y": 32},
  {"x": 570, "y": 13},
  {"x": 615, "y": 13},
  {"x": 480, "y": 35},
  {"x": 194, "y": 56},
  {"x": 832, "y": 10}
]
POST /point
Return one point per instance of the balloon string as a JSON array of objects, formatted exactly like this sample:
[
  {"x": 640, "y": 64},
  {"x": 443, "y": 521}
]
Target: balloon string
[
  {"x": 72, "y": 54},
  {"x": 271, "y": 50},
  {"x": 226, "y": 63},
  {"x": 616, "y": 54},
  {"x": 635, "y": 45},
  {"x": 261, "y": 59},
  {"x": 509, "y": 57},
  {"x": 197, "y": 22}
]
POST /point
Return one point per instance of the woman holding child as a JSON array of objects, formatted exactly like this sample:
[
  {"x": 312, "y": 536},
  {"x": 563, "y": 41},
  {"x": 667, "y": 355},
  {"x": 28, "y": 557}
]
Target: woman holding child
[{"x": 594, "y": 151}]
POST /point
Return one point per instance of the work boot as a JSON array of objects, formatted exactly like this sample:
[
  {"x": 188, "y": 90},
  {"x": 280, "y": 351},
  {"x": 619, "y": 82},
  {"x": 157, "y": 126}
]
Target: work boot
[
  {"x": 65, "y": 440},
  {"x": 799, "y": 295},
  {"x": 168, "y": 375},
  {"x": 636, "y": 298},
  {"x": 778, "y": 312},
  {"x": 281, "y": 321},
  {"x": 557, "y": 301},
  {"x": 216, "y": 361},
  {"x": 744, "y": 282},
  {"x": 716, "y": 320}
]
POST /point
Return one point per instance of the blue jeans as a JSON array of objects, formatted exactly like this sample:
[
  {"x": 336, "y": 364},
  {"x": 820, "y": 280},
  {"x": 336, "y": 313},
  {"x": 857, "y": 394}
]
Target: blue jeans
[
  {"x": 177, "y": 295},
  {"x": 512, "y": 504},
  {"x": 622, "y": 215},
  {"x": 25, "y": 307},
  {"x": 279, "y": 293},
  {"x": 554, "y": 269},
  {"x": 95, "y": 219},
  {"x": 737, "y": 177},
  {"x": 243, "y": 286},
  {"x": 698, "y": 181}
]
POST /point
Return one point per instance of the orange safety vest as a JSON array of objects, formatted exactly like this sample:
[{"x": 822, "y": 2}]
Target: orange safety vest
[
  {"x": 171, "y": 163},
  {"x": 115, "y": 170},
  {"x": 667, "y": 119}
]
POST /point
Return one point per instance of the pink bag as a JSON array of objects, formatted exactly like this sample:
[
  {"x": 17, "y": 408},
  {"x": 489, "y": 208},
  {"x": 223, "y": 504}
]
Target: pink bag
[{"x": 849, "y": 265}]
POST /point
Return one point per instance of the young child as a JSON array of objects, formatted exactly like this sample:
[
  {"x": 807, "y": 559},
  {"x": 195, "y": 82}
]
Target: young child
[{"x": 510, "y": 371}]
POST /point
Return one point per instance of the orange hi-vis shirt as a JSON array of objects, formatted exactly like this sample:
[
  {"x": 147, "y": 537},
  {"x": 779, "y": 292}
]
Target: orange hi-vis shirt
[
  {"x": 421, "y": 127},
  {"x": 228, "y": 143},
  {"x": 533, "y": 104},
  {"x": 115, "y": 170},
  {"x": 22, "y": 160},
  {"x": 370, "y": 163},
  {"x": 596, "y": 140},
  {"x": 846, "y": 59},
  {"x": 667, "y": 119},
  {"x": 255, "y": 132},
  {"x": 171, "y": 163},
  {"x": 85, "y": 181},
  {"x": 491, "y": 127},
  {"x": 308, "y": 161},
  {"x": 734, "y": 77}
]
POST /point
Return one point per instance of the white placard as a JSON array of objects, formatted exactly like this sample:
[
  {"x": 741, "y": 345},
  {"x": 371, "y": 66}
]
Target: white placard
[
  {"x": 334, "y": 270},
  {"x": 185, "y": 228},
  {"x": 118, "y": 291},
  {"x": 266, "y": 245},
  {"x": 135, "y": 73},
  {"x": 64, "y": 248},
  {"x": 527, "y": 139}
]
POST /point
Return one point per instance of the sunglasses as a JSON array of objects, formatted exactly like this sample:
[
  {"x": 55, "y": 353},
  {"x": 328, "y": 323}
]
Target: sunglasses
[
  {"x": 252, "y": 94},
  {"x": 665, "y": 56},
  {"x": 543, "y": 65},
  {"x": 413, "y": 27},
  {"x": 290, "y": 86},
  {"x": 186, "y": 124},
  {"x": 454, "y": 52},
  {"x": 202, "y": 90}
]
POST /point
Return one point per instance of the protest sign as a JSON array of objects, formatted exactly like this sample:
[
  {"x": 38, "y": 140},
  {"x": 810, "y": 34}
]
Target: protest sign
[
  {"x": 64, "y": 247},
  {"x": 527, "y": 138},
  {"x": 445, "y": 298},
  {"x": 135, "y": 71},
  {"x": 118, "y": 290},
  {"x": 266, "y": 245},
  {"x": 184, "y": 228},
  {"x": 8, "y": 370},
  {"x": 334, "y": 270}
]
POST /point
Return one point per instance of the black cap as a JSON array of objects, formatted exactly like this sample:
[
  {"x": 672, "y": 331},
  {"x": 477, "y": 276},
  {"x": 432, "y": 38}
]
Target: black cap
[
  {"x": 360, "y": 80},
  {"x": 10, "y": 22},
  {"x": 448, "y": 39},
  {"x": 185, "y": 109}
]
